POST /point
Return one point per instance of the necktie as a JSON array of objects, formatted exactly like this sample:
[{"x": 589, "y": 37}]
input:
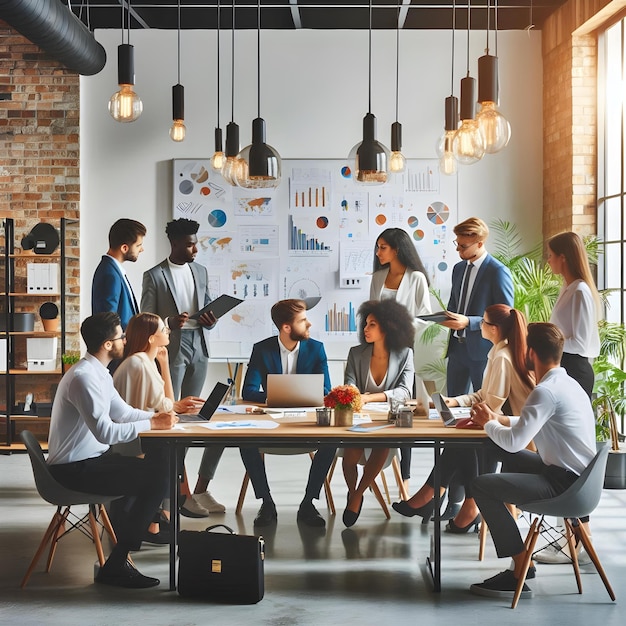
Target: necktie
[
  {"x": 464, "y": 294},
  {"x": 132, "y": 294},
  {"x": 465, "y": 297}
]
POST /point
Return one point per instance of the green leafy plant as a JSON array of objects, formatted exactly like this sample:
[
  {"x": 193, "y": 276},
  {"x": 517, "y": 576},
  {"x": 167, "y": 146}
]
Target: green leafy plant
[{"x": 70, "y": 357}]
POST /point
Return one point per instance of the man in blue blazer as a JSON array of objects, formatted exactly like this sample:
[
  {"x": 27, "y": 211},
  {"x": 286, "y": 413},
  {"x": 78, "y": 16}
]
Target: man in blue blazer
[
  {"x": 478, "y": 281},
  {"x": 110, "y": 290},
  {"x": 292, "y": 352}
]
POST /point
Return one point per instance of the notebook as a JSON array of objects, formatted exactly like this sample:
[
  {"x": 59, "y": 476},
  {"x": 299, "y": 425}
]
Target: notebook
[
  {"x": 289, "y": 390},
  {"x": 450, "y": 416},
  {"x": 216, "y": 397}
]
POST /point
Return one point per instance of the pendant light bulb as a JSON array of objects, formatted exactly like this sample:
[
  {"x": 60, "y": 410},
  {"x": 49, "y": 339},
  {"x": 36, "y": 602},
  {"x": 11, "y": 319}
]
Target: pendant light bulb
[
  {"x": 494, "y": 127},
  {"x": 370, "y": 157},
  {"x": 468, "y": 143},
  {"x": 218, "y": 158},
  {"x": 261, "y": 168},
  {"x": 233, "y": 167},
  {"x": 125, "y": 105},
  {"x": 445, "y": 144},
  {"x": 397, "y": 162},
  {"x": 178, "y": 129}
]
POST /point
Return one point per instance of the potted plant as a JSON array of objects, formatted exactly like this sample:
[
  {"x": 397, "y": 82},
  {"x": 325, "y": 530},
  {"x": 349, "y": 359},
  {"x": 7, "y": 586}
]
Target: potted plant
[
  {"x": 68, "y": 359},
  {"x": 345, "y": 400}
]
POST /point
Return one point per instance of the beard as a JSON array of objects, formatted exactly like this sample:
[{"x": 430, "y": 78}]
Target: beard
[{"x": 296, "y": 336}]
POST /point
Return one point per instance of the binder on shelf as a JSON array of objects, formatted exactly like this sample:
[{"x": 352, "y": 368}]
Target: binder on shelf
[{"x": 42, "y": 278}]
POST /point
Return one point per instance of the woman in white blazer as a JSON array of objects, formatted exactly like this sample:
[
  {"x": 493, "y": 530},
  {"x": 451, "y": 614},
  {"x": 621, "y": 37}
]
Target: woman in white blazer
[
  {"x": 400, "y": 275},
  {"x": 381, "y": 367}
]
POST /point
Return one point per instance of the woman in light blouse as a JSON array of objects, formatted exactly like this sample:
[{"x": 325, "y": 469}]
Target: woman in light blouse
[
  {"x": 381, "y": 367},
  {"x": 143, "y": 380},
  {"x": 506, "y": 385},
  {"x": 577, "y": 308},
  {"x": 399, "y": 275}
]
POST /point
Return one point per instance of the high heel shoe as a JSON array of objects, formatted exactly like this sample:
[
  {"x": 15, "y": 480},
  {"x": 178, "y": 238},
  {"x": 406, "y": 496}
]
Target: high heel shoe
[
  {"x": 404, "y": 508},
  {"x": 473, "y": 526},
  {"x": 350, "y": 517}
]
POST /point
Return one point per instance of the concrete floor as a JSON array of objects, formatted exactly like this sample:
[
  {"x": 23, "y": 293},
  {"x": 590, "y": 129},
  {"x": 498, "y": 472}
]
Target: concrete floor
[{"x": 371, "y": 574}]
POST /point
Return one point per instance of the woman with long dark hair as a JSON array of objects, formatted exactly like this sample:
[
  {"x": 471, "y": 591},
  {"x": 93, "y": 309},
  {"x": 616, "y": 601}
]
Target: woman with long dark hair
[
  {"x": 506, "y": 385},
  {"x": 380, "y": 367}
]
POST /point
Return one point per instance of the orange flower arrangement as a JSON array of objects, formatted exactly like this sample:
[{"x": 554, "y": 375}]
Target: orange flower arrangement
[{"x": 344, "y": 397}]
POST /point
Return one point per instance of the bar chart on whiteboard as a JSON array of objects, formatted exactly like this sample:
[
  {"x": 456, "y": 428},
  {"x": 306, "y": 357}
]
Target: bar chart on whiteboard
[{"x": 312, "y": 238}]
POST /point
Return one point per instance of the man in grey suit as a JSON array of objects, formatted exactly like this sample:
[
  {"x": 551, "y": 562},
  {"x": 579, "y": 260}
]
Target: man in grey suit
[{"x": 175, "y": 289}]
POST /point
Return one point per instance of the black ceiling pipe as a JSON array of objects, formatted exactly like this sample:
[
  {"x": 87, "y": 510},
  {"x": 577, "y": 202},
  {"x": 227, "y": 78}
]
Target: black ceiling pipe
[{"x": 56, "y": 30}]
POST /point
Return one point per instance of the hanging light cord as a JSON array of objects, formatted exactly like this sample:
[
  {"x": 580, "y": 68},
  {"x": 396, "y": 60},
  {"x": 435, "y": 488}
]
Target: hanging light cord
[
  {"x": 495, "y": 25},
  {"x": 488, "y": 21},
  {"x": 258, "y": 57},
  {"x": 453, "y": 32},
  {"x": 369, "y": 105},
  {"x": 179, "y": 42},
  {"x": 218, "y": 61},
  {"x": 397, "y": 59},
  {"x": 128, "y": 24},
  {"x": 468, "y": 35},
  {"x": 232, "y": 60}
]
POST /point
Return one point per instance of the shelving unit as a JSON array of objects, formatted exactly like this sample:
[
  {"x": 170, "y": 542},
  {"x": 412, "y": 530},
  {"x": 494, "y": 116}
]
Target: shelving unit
[{"x": 14, "y": 298}]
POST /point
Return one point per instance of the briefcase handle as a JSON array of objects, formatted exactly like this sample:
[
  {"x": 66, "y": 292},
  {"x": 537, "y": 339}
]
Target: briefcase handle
[{"x": 228, "y": 528}]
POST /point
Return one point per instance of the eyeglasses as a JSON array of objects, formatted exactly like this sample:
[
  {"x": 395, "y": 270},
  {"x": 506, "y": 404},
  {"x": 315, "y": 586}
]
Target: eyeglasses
[
  {"x": 484, "y": 321},
  {"x": 122, "y": 337},
  {"x": 463, "y": 246}
]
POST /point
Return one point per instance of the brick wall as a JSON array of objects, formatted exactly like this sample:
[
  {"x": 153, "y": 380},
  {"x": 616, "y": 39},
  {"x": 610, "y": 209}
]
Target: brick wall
[{"x": 39, "y": 165}]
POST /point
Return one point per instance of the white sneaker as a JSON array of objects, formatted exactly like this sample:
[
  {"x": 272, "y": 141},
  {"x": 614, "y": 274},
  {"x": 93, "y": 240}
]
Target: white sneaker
[
  {"x": 558, "y": 552},
  {"x": 191, "y": 508},
  {"x": 208, "y": 502}
]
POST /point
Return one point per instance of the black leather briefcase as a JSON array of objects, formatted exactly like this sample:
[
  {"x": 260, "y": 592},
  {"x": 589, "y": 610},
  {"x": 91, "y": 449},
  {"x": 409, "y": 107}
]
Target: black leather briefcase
[{"x": 221, "y": 567}]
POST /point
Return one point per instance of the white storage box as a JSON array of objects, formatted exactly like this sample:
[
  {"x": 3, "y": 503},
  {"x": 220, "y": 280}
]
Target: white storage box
[
  {"x": 3, "y": 355},
  {"x": 41, "y": 349},
  {"x": 42, "y": 278},
  {"x": 43, "y": 365}
]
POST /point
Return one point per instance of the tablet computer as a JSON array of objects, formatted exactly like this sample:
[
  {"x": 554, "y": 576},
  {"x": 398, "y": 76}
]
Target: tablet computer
[{"x": 220, "y": 306}]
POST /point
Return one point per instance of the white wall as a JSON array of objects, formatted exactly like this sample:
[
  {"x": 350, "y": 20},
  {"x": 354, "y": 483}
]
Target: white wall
[{"x": 313, "y": 98}]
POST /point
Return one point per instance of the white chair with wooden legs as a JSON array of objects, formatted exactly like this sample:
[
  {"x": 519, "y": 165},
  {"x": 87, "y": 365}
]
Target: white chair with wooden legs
[
  {"x": 579, "y": 500},
  {"x": 384, "y": 501},
  {"x": 53, "y": 492},
  {"x": 330, "y": 503}
]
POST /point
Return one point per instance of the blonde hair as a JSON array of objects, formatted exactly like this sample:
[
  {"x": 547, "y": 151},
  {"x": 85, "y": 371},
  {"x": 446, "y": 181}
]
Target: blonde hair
[{"x": 472, "y": 227}]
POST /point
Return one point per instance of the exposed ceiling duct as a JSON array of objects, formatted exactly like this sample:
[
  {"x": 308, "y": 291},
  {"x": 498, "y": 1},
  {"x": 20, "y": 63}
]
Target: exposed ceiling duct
[{"x": 56, "y": 30}]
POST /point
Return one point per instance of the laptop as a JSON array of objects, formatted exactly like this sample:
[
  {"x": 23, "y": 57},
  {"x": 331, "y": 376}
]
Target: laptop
[
  {"x": 450, "y": 416},
  {"x": 216, "y": 397},
  {"x": 291, "y": 390}
]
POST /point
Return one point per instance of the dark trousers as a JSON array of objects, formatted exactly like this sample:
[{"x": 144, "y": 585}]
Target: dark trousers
[
  {"x": 579, "y": 368},
  {"x": 255, "y": 466},
  {"x": 462, "y": 372},
  {"x": 141, "y": 481},
  {"x": 524, "y": 478}
]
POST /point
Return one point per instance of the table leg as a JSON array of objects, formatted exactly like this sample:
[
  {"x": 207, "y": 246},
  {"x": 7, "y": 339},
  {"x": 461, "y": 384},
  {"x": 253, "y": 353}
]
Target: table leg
[
  {"x": 174, "y": 514},
  {"x": 434, "y": 560}
]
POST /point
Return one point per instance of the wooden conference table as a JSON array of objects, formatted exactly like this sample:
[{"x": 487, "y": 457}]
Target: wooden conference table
[{"x": 303, "y": 431}]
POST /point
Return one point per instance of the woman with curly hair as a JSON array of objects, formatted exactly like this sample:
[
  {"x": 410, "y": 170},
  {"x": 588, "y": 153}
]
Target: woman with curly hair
[{"x": 381, "y": 367}]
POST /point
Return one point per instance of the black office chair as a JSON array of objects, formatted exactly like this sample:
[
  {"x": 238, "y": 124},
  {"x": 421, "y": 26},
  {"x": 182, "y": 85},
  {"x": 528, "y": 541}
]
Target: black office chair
[
  {"x": 578, "y": 501},
  {"x": 54, "y": 493}
]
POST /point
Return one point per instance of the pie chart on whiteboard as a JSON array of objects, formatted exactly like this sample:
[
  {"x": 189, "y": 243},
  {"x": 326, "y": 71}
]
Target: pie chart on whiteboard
[
  {"x": 438, "y": 213},
  {"x": 307, "y": 290}
]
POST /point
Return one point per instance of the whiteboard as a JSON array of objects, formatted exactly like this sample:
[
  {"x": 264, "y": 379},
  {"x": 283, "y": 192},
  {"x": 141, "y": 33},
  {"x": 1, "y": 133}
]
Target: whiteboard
[{"x": 311, "y": 238}]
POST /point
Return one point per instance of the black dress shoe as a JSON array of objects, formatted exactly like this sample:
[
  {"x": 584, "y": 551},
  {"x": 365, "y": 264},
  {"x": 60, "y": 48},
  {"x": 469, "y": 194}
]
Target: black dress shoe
[
  {"x": 267, "y": 514},
  {"x": 125, "y": 576},
  {"x": 404, "y": 508},
  {"x": 309, "y": 515},
  {"x": 451, "y": 511},
  {"x": 350, "y": 517},
  {"x": 460, "y": 530},
  {"x": 160, "y": 538}
]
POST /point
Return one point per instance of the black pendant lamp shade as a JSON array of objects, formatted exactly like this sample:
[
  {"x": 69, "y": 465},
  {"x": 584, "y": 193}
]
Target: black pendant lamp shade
[
  {"x": 371, "y": 155},
  {"x": 125, "y": 105}
]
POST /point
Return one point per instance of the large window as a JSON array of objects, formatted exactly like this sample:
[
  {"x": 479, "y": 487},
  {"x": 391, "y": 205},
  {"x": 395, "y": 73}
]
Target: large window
[{"x": 611, "y": 168}]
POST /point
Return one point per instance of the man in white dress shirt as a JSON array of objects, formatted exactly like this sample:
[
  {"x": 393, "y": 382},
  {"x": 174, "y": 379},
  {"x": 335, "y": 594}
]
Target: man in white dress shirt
[
  {"x": 558, "y": 418},
  {"x": 88, "y": 416}
]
